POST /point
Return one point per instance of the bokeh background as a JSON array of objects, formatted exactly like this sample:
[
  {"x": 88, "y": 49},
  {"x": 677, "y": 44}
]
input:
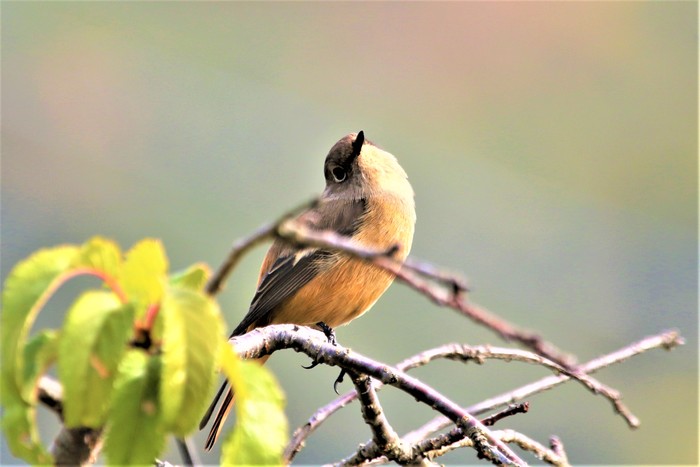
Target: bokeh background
[{"x": 552, "y": 148}]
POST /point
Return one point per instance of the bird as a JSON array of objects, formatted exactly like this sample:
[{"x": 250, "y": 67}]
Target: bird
[{"x": 367, "y": 198}]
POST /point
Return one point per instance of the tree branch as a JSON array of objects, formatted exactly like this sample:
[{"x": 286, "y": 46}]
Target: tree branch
[
  {"x": 266, "y": 340},
  {"x": 442, "y": 288},
  {"x": 423, "y": 451},
  {"x": 267, "y": 231},
  {"x": 512, "y": 437},
  {"x": 72, "y": 446},
  {"x": 76, "y": 446},
  {"x": 383, "y": 434},
  {"x": 666, "y": 340},
  {"x": 509, "y": 411},
  {"x": 50, "y": 393}
]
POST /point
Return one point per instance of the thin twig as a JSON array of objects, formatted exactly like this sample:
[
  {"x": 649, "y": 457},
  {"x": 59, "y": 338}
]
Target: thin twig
[
  {"x": 299, "y": 234},
  {"x": 267, "y": 231},
  {"x": 481, "y": 353},
  {"x": 423, "y": 450},
  {"x": 513, "y": 437},
  {"x": 666, "y": 340},
  {"x": 509, "y": 411},
  {"x": 188, "y": 452},
  {"x": 558, "y": 448}
]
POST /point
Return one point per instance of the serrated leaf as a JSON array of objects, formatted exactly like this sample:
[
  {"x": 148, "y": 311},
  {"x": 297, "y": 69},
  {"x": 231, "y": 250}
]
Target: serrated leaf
[
  {"x": 26, "y": 288},
  {"x": 135, "y": 434},
  {"x": 143, "y": 274},
  {"x": 261, "y": 430},
  {"x": 195, "y": 277},
  {"x": 101, "y": 254},
  {"x": 93, "y": 340},
  {"x": 192, "y": 332},
  {"x": 40, "y": 352}
]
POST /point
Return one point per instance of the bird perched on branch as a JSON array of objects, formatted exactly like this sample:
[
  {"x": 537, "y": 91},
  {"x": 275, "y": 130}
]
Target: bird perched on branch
[{"x": 367, "y": 198}]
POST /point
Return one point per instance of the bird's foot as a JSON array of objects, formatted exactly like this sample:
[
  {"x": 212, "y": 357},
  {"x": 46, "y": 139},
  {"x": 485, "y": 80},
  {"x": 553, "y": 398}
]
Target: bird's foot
[
  {"x": 328, "y": 331},
  {"x": 330, "y": 335}
]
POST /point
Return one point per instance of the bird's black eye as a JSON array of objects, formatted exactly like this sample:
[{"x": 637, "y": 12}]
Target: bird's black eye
[{"x": 339, "y": 174}]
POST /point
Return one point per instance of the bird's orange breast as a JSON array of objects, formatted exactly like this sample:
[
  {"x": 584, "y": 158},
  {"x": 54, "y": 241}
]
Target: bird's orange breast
[{"x": 350, "y": 286}]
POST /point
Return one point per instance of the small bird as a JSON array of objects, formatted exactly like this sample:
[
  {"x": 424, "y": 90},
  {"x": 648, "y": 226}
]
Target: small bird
[{"x": 367, "y": 198}]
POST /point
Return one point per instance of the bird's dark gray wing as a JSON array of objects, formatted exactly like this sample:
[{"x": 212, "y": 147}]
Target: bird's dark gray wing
[
  {"x": 288, "y": 274},
  {"x": 283, "y": 280}
]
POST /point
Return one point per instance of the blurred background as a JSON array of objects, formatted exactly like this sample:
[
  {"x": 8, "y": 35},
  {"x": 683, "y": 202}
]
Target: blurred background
[{"x": 552, "y": 148}]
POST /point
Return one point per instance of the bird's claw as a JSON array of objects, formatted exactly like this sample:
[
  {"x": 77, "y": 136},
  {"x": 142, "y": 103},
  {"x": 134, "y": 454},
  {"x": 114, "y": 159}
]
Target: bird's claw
[
  {"x": 313, "y": 364},
  {"x": 338, "y": 380}
]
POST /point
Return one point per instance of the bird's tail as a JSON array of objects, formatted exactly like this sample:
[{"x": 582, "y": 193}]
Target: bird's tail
[
  {"x": 222, "y": 413},
  {"x": 220, "y": 417}
]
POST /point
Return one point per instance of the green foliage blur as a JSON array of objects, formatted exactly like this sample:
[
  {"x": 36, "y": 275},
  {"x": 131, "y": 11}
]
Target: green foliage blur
[
  {"x": 552, "y": 147},
  {"x": 136, "y": 359}
]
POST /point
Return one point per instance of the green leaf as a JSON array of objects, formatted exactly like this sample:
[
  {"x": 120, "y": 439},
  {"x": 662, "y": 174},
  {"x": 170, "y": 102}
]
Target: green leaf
[
  {"x": 26, "y": 289},
  {"x": 260, "y": 434},
  {"x": 192, "y": 332},
  {"x": 135, "y": 434},
  {"x": 195, "y": 277},
  {"x": 100, "y": 254},
  {"x": 92, "y": 343},
  {"x": 143, "y": 274},
  {"x": 40, "y": 352},
  {"x": 20, "y": 416},
  {"x": 19, "y": 426}
]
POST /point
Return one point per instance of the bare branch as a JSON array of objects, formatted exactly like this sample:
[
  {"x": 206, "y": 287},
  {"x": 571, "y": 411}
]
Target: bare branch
[
  {"x": 241, "y": 246},
  {"x": 298, "y": 234},
  {"x": 509, "y": 411},
  {"x": 410, "y": 273},
  {"x": 50, "y": 393},
  {"x": 72, "y": 446},
  {"x": 445, "y": 289},
  {"x": 266, "y": 340},
  {"x": 510, "y": 332},
  {"x": 481, "y": 353},
  {"x": 76, "y": 446},
  {"x": 383, "y": 434},
  {"x": 558, "y": 448},
  {"x": 666, "y": 340},
  {"x": 511, "y": 437},
  {"x": 423, "y": 450}
]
